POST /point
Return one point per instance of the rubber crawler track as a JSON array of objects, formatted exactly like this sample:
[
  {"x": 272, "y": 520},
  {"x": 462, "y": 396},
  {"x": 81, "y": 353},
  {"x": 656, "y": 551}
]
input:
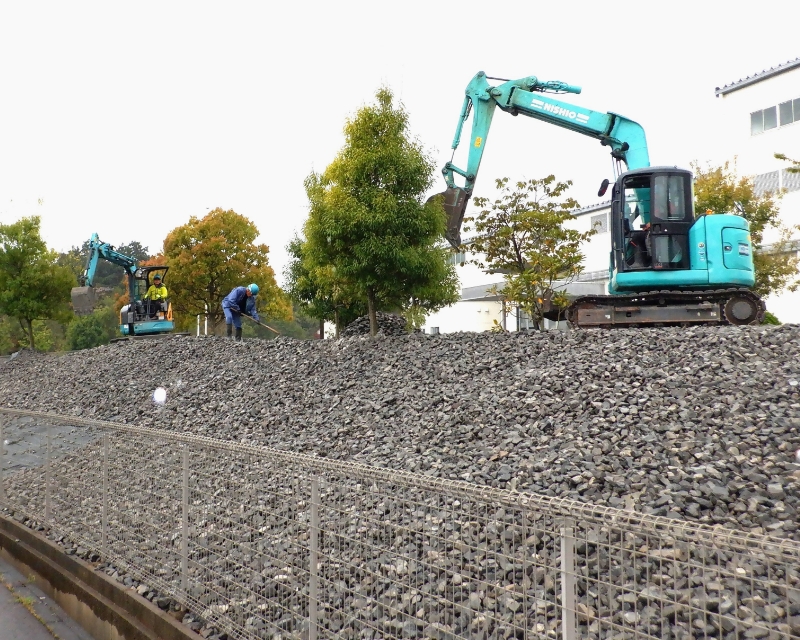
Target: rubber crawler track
[{"x": 668, "y": 298}]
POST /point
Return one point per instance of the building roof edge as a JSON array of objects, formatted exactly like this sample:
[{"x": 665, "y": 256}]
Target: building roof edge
[{"x": 757, "y": 77}]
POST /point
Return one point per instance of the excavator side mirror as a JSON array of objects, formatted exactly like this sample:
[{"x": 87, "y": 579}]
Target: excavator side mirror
[{"x": 603, "y": 188}]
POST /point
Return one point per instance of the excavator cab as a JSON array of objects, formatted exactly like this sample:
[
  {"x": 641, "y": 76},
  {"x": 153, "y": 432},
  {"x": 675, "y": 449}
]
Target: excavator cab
[
  {"x": 652, "y": 213},
  {"x": 142, "y": 317}
]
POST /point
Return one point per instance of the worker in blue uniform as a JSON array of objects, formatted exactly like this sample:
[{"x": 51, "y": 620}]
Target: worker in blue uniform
[{"x": 241, "y": 300}]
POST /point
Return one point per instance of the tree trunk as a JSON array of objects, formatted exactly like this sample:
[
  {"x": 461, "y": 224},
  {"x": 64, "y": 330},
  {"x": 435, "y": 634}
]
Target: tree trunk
[
  {"x": 322, "y": 328},
  {"x": 336, "y": 322},
  {"x": 373, "y": 316},
  {"x": 30, "y": 334}
]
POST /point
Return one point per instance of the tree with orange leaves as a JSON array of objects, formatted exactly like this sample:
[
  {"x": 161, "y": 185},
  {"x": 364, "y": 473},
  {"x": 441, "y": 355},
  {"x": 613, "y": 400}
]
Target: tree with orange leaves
[{"x": 209, "y": 256}]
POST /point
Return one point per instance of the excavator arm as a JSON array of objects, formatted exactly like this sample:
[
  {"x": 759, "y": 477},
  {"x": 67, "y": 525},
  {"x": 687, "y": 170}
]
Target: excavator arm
[
  {"x": 84, "y": 297},
  {"x": 527, "y": 96},
  {"x": 100, "y": 250}
]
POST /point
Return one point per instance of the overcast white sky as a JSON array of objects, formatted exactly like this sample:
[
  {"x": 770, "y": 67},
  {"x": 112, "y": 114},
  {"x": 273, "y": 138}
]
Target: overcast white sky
[{"x": 126, "y": 119}]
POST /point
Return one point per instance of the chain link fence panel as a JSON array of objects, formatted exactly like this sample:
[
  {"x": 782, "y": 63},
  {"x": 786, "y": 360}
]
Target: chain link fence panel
[{"x": 261, "y": 543}]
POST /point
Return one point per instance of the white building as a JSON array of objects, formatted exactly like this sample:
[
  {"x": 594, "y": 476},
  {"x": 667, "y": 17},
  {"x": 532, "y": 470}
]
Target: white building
[{"x": 759, "y": 116}]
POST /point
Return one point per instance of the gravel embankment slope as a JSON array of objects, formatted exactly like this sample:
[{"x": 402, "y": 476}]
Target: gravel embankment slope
[{"x": 699, "y": 423}]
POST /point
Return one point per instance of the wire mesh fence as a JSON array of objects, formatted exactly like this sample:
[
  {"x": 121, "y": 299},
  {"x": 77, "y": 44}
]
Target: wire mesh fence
[{"x": 262, "y": 543}]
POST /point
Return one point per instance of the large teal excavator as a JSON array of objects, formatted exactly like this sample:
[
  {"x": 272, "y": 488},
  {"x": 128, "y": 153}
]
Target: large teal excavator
[
  {"x": 667, "y": 266},
  {"x": 137, "y": 318}
]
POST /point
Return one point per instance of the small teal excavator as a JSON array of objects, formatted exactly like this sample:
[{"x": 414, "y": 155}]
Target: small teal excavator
[
  {"x": 138, "y": 317},
  {"x": 667, "y": 266}
]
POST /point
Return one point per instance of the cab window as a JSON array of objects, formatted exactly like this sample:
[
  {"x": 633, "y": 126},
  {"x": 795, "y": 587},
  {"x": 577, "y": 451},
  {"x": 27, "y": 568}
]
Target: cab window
[
  {"x": 669, "y": 197},
  {"x": 637, "y": 202}
]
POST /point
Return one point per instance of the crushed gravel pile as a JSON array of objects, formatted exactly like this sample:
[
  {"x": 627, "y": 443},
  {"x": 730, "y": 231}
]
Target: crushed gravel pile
[
  {"x": 389, "y": 324},
  {"x": 698, "y": 423}
]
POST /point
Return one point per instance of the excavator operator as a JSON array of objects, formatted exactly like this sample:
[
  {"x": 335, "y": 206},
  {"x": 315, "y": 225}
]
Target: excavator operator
[
  {"x": 156, "y": 294},
  {"x": 637, "y": 251}
]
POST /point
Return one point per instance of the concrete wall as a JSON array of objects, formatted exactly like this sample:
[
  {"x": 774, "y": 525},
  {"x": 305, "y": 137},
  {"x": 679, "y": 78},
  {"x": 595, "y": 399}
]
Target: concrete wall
[{"x": 467, "y": 315}]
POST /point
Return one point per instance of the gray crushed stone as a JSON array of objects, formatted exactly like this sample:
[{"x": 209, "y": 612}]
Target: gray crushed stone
[
  {"x": 389, "y": 324},
  {"x": 699, "y": 423}
]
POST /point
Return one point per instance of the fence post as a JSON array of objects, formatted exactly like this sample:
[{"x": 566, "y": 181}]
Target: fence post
[
  {"x": 2, "y": 453},
  {"x": 185, "y": 522},
  {"x": 47, "y": 474},
  {"x": 568, "y": 591},
  {"x": 105, "y": 493},
  {"x": 313, "y": 569}
]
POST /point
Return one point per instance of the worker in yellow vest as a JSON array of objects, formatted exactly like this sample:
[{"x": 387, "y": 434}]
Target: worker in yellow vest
[{"x": 156, "y": 294}]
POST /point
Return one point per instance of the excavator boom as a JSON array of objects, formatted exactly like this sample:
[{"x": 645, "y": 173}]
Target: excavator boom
[
  {"x": 86, "y": 296},
  {"x": 526, "y": 96}
]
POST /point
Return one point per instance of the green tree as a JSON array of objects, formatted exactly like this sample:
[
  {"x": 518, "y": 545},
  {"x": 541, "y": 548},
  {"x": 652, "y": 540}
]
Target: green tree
[
  {"x": 14, "y": 337},
  {"x": 32, "y": 285},
  {"x": 795, "y": 168},
  {"x": 86, "y": 332},
  {"x": 315, "y": 289},
  {"x": 73, "y": 260},
  {"x": 95, "y": 329},
  {"x": 207, "y": 257},
  {"x": 369, "y": 230},
  {"x": 523, "y": 236},
  {"x": 10, "y": 335},
  {"x": 721, "y": 190}
]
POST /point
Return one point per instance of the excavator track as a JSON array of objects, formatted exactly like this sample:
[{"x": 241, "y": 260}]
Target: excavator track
[{"x": 659, "y": 308}]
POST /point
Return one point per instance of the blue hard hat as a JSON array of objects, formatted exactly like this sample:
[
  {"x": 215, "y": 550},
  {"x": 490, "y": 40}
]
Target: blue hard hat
[
  {"x": 253, "y": 289},
  {"x": 157, "y": 276}
]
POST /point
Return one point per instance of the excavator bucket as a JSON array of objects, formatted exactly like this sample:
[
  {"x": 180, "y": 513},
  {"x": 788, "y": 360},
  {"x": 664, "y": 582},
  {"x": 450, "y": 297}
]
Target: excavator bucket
[
  {"x": 84, "y": 300},
  {"x": 455, "y": 204}
]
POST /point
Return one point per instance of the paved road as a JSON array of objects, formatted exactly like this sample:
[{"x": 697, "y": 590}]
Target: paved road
[{"x": 18, "y": 623}]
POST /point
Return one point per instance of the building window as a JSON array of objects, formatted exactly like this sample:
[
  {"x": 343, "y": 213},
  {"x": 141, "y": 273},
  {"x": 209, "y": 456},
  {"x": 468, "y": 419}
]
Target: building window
[
  {"x": 524, "y": 321},
  {"x": 772, "y": 117},
  {"x": 457, "y": 257},
  {"x": 756, "y": 122},
  {"x": 786, "y": 112},
  {"x": 600, "y": 222}
]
